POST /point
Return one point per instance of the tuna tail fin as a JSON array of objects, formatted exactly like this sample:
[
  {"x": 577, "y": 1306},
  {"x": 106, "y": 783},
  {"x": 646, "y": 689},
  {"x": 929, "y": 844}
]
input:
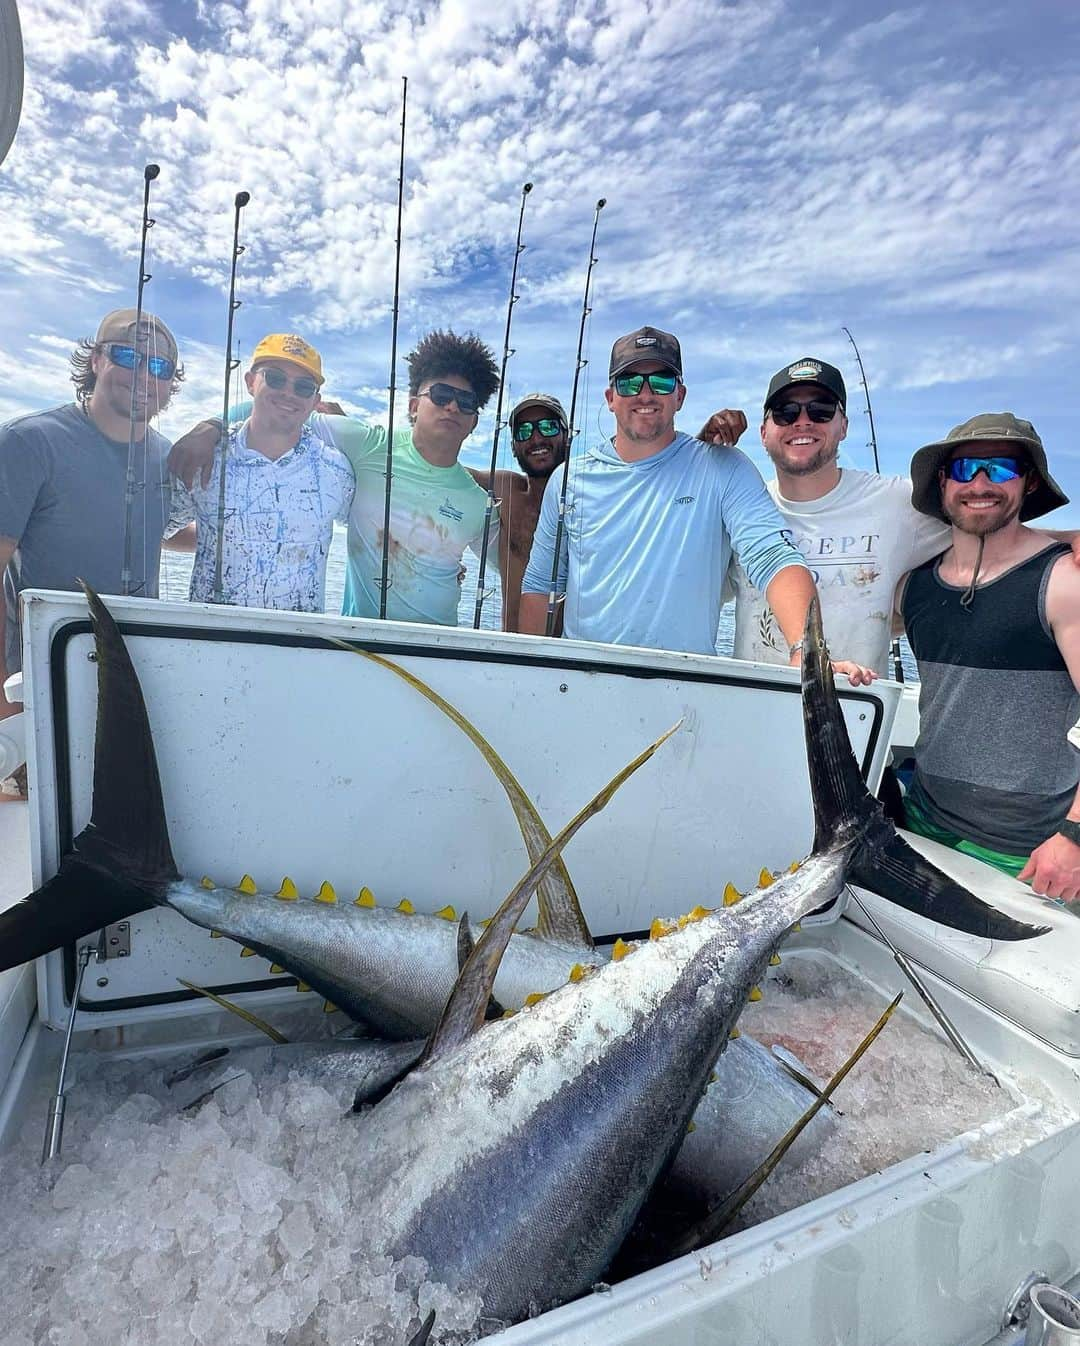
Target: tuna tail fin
[
  {"x": 847, "y": 815},
  {"x": 122, "y": 862}
]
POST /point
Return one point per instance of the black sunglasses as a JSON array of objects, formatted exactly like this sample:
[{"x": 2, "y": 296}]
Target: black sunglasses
[
  {"x": 127, "y": 357},
  {"x": 787, "y": 413},
  {"x": 442, "y": 394},
  {"x": 304, "y": 386},
  {"x": 547, "y": 425},
  {"x": 629, "y": 385}
]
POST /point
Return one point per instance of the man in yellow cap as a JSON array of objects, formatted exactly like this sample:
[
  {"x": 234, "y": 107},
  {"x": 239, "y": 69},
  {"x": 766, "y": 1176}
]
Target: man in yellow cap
[{"x": 284, "y": 487}]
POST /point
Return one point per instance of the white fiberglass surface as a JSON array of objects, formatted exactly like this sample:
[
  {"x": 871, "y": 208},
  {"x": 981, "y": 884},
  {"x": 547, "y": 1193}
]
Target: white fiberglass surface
[{"x": 231, "y": 1223}]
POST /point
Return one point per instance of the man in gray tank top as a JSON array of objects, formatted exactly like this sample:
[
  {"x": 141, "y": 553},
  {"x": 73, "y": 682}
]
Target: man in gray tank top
[{"x": 994, "y": 623}]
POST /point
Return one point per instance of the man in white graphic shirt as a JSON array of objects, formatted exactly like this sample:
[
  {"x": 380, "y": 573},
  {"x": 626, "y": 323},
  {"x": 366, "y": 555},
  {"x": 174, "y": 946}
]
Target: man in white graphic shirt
[{"x": 284, "y": 487}]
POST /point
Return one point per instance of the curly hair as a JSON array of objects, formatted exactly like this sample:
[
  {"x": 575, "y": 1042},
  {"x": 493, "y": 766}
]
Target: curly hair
[
  {"x": 442, "y": 353},
  {"x": 84, "y": 378}
]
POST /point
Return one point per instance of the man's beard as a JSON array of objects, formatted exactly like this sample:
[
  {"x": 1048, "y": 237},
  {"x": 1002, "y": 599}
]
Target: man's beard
[
  {"x": 825, "y": 455},
  {"x": 536, "y": 472},
  {"x": 984, "y": 523}
]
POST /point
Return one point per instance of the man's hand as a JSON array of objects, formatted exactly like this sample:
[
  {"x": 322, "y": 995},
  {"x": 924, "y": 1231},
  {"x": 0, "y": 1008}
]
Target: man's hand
[
  {"x": 329, "y": 408},
  {"x": 195, "y": 451},
  {"x": 723, "y": 428},
  {"x": 1053, "y": 869},
  {"x": 857, "y": 674}
]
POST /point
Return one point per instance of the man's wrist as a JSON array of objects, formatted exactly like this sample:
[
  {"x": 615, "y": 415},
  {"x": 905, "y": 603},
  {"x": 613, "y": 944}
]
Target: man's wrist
[{"x": 1070, "y": 829}]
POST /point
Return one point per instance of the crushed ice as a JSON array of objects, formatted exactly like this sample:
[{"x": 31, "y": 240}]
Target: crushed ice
[{"x": 231, "y": 1224}]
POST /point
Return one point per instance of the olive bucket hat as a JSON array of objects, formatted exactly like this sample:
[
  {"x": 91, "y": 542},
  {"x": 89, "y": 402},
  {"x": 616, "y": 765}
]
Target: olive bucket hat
[{"x": 990, "y": 425}]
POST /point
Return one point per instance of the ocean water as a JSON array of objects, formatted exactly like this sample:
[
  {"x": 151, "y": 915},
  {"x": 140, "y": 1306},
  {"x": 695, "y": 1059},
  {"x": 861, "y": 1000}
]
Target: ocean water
[{"x": 176, "y": 577}]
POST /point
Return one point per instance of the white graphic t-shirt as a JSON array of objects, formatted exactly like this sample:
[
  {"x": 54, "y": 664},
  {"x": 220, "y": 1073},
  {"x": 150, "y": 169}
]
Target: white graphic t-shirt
[
  {"x": 858, "y": 541},
  {"x": 279, "y": 520}
]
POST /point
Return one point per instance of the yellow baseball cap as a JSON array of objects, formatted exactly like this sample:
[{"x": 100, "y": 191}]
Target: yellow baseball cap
[{"x": 288, "y": 346}]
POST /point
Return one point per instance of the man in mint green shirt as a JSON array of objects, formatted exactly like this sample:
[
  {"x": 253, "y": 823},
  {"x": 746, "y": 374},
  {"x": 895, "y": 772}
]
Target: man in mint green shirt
[{"x": 436, "y": 508}]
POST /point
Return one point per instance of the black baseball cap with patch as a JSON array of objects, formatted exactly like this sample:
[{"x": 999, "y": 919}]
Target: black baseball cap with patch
[
  {"x": 808, "y": 370},
  {"x": 647, "y": 343}
]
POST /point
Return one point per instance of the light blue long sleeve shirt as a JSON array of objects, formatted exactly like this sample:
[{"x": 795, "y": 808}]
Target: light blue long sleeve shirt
[{"x": 646, "y": 544}]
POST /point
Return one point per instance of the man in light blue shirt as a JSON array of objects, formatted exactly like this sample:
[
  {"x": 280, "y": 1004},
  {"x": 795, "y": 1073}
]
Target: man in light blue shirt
[{"x": 652, "y": 519}]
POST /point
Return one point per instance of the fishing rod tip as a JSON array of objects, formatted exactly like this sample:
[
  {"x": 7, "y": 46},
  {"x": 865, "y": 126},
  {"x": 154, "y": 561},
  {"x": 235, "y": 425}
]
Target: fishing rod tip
[
  {"x": 527, "y": 188},
  {"x": 151, "y": 171},
  {"x": 242, "y": 198},
  {"x": 601, "y": 203}
]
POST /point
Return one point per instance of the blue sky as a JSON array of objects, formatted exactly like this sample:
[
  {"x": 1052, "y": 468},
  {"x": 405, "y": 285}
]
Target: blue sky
[{"x": 772, "y": 175}]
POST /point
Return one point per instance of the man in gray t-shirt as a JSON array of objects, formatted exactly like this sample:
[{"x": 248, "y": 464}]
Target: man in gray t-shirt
[{"x": 63, "y": 474}]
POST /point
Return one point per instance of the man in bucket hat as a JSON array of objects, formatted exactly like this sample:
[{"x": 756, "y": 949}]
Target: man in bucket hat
[{"x": 994, "y": 623}]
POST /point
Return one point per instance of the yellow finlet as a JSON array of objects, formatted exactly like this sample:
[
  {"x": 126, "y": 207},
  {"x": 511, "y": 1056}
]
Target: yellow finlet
[
  {"x": 204, "y": 882},
  {"x": 447, "y": 913},
  {"x": 620, "y": 949},
  {"x": 660, "y": 928},
  {"x": 578, "y": 971},
  {"x": 288, "y": 890},
  {"x": 247, "y": 885},
  {"x": 216, "y": 934},
  {"x": 364, "y": 898},
  {"x": 774, "y": 961},
  {"x": 276, "y": 967},
  {"x": 302, "y": 986},
  {"x": 326, "y": 893},
  {"x": 731, "y": 895},
  {"x": 485, "y": 923},
  {"x": 691, "y": 1126},
  {"x": 755, "y": 993},
  {"x": 535, "y": 997},
  {"x": 713, "y": 1077},
  {"x": 405, "y": 907},
  {"x": 509, "y": 1013},
  {"x": 327, "y": 1008},
  {"x": 796, "y": 927},
  {"x": 247, "y": 953},
  {"x": 698, "y": 913},
  {"x": 793, "y": 868},
  {"x": 765, "y": 878},
  {"x": 735, "y": 1033}
]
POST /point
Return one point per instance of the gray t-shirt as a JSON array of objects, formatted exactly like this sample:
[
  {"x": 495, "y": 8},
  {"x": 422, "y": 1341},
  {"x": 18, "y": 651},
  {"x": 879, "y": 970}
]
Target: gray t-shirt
[{"x": 62, "y": 498}]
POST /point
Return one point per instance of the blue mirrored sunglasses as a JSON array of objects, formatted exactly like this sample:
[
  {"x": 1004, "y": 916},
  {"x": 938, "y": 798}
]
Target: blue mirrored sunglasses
[
  {"x": 997, "y": 470},
  {"x": 127, "y": 357}
]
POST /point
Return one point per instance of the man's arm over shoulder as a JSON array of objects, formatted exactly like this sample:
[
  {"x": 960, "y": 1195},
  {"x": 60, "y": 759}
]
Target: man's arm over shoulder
[{"x": 357, "y": 440}]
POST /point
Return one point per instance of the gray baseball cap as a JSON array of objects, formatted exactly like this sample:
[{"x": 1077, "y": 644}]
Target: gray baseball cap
[{"x": 538, "y": 400}]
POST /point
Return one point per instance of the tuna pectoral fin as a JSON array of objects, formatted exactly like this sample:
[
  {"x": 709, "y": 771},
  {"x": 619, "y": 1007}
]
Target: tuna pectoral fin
[
  {"x": 468, "y": 1002},
  {"x": 77, "y": 900},
  {"x": 897, "y": 871},
  {"x": 845, "y": 813}
]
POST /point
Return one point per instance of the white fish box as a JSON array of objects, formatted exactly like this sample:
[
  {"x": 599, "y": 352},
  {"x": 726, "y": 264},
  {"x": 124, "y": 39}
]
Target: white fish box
[{"x": 281, "y": 755}]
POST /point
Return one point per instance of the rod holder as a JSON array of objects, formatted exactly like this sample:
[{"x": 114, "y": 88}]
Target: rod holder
[{"x": 1054, "y": 1317}]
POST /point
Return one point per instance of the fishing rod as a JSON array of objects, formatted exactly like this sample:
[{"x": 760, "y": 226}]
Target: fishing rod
[
  {"x": 384, "y": 579},
  {"x": 239, "y": 202},
  {"x": 507, "y": 352},
  {"x": 553, "y": 598},
  {"x": 894, "y": 648},
  {"x": 150, "y": 172}
]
